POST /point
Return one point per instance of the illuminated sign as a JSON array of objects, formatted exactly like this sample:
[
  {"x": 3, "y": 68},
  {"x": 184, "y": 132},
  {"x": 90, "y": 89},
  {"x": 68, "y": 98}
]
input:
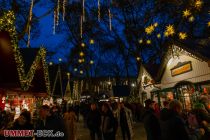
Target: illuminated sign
[{"x": 181, "y": 68}]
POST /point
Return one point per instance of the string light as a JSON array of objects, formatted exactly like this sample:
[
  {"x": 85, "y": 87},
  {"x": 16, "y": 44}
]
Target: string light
[
  {"x": 92, "y": 41},
  {"x": 110, "y": 19},
  {"x": 81, "y": 26},
  {"x": 208, "y": 24},
  {"x": 186, "y": 13},
  {"x": 91, "y": 62},
  {"x": 191, "y": 19},
  {"x": 51, "y": 63},
  {"x": 80, "y": 60},
  {"x": 58, "y": 12},
  {"x": 81, "y": 72},
  {"x": 182, "y": 35},
  {"x": 140, "y": 41},
  {"x": 64, "y": 8},
  {"x": 158, "y": 35},
  {"x": 149, "y": 41},
  {"x": 99, "y": 11},
  {"x": 169, "y": 30},
  {"x": 30, "y": 22},
  {"x": 155, "y": 24},
  {"x": 75, "y": 69},
  {"x": 138, "y": 58},
  {"x": 81, "y": 54},
  {"x": 83, "y": 10},
  {"x": 83, "y": 44}
]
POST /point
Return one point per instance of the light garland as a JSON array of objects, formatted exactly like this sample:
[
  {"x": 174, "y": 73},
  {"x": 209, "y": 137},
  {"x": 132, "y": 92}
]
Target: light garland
[
  {"x": 182, "y": 35},
  {"x": 169, "y": 31},
  {"x": 7, "y": 24},
  {"x": 149, "y": 41},
  {"x": 58, "y": 12},
  {"x": 158, "y": 35},
  {"x": 110, "y": 19},
  {"x": 149, "y": 29},
  {"x": 140, "y": 41},
  {"x": 198, "y": 4},
  {"x": 81, "y": 54},
  {"x": 83, "y": 10},
  {"x": 64, "y": 9},
  {"x": 99, "y": 11},
  {"x": 30, "y": 19},
  {"x": 186, "y": 13},
  {"x": 81, "y": 27}
]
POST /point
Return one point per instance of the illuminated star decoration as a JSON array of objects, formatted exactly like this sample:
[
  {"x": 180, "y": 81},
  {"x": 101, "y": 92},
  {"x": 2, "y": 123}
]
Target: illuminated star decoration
[
  {"x": 149, "y": 29},
  {"x": 169, "y": 30},
  {"x": 140, "y": 41},
  {"x": 208, "y": 24},
  {"x": 186, "y": 13},
  {"x": 182, "y": 35},
  {"x": 155, "y": 24},
  {"x": 191, "y": 19},
  {"x": 198, "y": 4}
]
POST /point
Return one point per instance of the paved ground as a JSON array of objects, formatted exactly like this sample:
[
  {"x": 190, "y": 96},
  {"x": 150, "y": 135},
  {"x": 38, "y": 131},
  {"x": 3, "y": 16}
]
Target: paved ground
[{"x": 83, "y": 133}]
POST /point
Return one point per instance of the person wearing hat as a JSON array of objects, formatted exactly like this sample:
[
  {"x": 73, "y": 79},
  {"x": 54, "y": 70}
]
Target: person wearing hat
[{"x": 150, "y": 120}]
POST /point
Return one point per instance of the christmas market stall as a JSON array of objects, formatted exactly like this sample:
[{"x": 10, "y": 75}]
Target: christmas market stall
[
  {"x": 185, "y": 73},
  {"x": 24, "y": 71}
]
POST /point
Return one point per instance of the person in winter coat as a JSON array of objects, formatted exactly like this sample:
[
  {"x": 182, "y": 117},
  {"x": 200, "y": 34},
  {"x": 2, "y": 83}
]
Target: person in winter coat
[
  {"x": 173, "y": 126},
  {"x": 151, "y": 122},
  {"x": 125, "y": 121},
  {"x": 94, "y": 122},
  {"x": 107, "y": 122}
]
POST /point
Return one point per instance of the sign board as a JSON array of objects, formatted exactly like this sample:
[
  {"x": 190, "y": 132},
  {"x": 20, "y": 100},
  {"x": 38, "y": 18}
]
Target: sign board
[{"x": 181, "y": 68}]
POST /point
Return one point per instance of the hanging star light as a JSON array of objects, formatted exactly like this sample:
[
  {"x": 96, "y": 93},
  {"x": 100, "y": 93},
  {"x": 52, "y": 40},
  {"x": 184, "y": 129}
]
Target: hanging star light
[
  {"x": 198, "y": 4},
  {"x": 149, "y": 41},
  {"x": 191, "y": 19},
  {"x": 208, "y": 24},
  {"x": 186, "y": 13},
  {"x": 169, "y": 30},
  {"x": 140, "y": 41},
  {"x": 149, "y": 29},
  {"x": 182, "y": 35},
  {"x": 158, "y": 35},
  {"x": 81, "y": 54}
]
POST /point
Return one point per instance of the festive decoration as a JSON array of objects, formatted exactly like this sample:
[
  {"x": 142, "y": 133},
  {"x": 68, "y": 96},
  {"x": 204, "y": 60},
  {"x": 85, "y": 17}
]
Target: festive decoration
[
  {"x": 92, "y": 41},
  {"x": 75, "y": 69},
  {"x": 149, "y": 41},
  {"x": 191, "y": 19},
  {"x": 158, "y": 35},
  {"x": 91, "y": 62},
  {"x": 208, "y": 24},
  {"x": 198, "y": 4},
  {"x": 64, "y": 9},
  {"x": 7, "y": 24},
  {"x": 30, "y": 21},
  {"x": 149, "y": 29},
  {"x": 83, "y": 44},
  {"x": 58, "y": 12},
  {"x": 138, "y": 58},
  {"x": 81, "y": 71},
  {"x": 99, "y": 11},
  {"x": 186, "y": 13},
  {"x": 155, "y": 24},
  {"x": 169, "y": 31},
  {"x": 110, "y": 19},
  {"x": 51, "y": 63},
  {"x": 54, "y": 22},
  {"x": 80, "y": 60},
  {"x": 81, "y": 26},
  {"x": 81, "y": 54},
  {"x": 83, "y": 10},
  {"x": 182, "y": 35},
  {"x": 140, "y": 41}
]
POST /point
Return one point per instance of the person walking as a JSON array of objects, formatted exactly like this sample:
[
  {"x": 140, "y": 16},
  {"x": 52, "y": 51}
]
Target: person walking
[
  {"x": 94, "y": 122},
  {"x": 151, "y": 122}
]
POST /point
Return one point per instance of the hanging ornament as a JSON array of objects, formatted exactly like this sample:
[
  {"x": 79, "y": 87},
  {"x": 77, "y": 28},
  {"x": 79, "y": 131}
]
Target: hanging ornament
[
  {"x": 64, "y": 8},
  {"x": 81, "y": 27},
  {"x": 83, "y": 10},
  {"x": 182, "y": 35},
  {"x": 198, "y": 4},
  {"x": 149, "y": 29},
  {"x": 169, "y": 31},
  {"x": 30, "y": 20},
  {"x": 186, "y": 13},
  {"x": 110, "y": 19},
  {"x": 58, "y": 12},
  {"x": 99, "y": 11}
]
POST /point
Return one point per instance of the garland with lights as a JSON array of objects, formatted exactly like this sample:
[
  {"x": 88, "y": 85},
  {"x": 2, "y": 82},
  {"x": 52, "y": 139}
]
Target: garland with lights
[{"x": 7, "y": 24}]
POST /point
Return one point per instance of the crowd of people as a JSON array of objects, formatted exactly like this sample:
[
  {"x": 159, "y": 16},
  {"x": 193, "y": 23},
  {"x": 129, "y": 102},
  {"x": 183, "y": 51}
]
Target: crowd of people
[{"x": 108, "y": 120}]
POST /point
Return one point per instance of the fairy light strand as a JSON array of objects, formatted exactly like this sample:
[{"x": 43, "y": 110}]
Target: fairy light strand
[
  {"x": 57, "y": 14},
  {"x": 110, "y": 20},
  {"x": 99, "y": 11},
  {"x": 30, "y": 19}
]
